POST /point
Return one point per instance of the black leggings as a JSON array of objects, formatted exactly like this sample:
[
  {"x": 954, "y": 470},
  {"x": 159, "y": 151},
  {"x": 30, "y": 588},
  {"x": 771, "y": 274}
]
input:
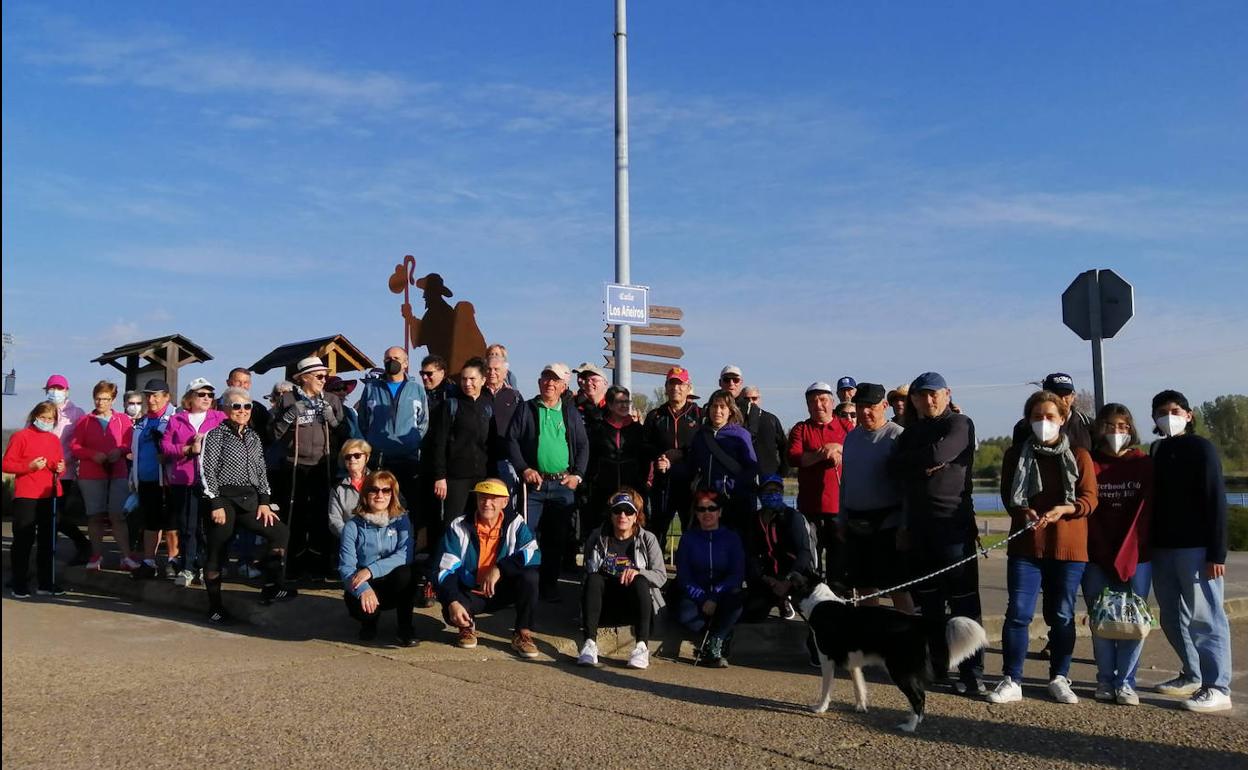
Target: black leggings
[
  {"x": 605, "y": 600},
  {"x": 396, "y": 590},
  {"x": 31, "y": 516},
  {"x": 240, "y": 510}
]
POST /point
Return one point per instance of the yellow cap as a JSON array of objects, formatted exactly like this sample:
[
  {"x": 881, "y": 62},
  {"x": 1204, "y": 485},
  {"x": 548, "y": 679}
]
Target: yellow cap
[{"x": 491, "y": 487}]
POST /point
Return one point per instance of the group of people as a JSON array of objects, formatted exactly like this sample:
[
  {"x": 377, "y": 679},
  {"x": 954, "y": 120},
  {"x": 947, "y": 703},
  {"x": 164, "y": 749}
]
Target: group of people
[{"x": 454, "y": 488}]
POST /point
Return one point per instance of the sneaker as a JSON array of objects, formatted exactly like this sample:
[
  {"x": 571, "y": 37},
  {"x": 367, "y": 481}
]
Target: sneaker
[
  {"x": 589, "y": 654},
  {"x": 786, "y": 610},
  {"x": 1060, "y": 690},
  {"x": 272, "y": 593},
  {"x": 1126, "y": 696},
  {"x": 1180, "y": 686},
  {"x": 405, "y": 639},
  {"x": 19, "y": 593},
  {"x": 467, "y": 638},
  {"x": 171, "y": 570},
  {"x": 95, "y": 564},
  {"x": 1006, "y": 691},
  {"x": 1104, "y": 691},
  {"x": 220, "y": 617},
  {"x": 1208, "y": 699},
  {"x": 713, "y": 654},
  {"x": 522, "y": 643},
  {"x": 427, "y": 596},
  {"x": 640, "y": 656},
  {"x": 976, "y": 687},
  {"x": 144, "y": 571},
  {"x": 52, "y": 590},
  {"x": 184, "y": 578}
]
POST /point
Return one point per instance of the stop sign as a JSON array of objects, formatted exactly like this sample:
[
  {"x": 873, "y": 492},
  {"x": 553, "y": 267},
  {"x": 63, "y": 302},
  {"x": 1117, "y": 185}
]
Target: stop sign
[{"x": 1114, "y": 296}]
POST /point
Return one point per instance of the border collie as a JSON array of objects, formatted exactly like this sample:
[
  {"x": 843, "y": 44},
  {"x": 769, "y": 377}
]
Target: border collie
[{"x": 851, "y": 637}]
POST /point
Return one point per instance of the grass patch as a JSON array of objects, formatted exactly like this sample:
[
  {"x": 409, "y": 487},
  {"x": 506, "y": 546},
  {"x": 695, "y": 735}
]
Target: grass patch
[{"x": 1237, "y": 528}]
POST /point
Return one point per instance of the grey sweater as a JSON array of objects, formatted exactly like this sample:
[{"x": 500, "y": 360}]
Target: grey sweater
[
  {"x": 647, "y": 555},
  {"x": 866, "y": 482}
]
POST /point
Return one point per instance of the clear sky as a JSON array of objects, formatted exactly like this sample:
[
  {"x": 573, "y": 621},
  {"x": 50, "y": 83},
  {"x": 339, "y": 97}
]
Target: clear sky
[{"x": 874, "y": 189}]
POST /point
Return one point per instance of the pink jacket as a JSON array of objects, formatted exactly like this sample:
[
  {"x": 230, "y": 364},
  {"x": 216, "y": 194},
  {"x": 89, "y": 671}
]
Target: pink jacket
[
  {"x": 89, "y": 438},
  {"x": 67, "y": 416},
  {"x": 180, "y": 469}
]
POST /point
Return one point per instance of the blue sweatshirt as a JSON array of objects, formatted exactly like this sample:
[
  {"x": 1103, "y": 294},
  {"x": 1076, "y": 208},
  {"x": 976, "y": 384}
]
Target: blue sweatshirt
[
  {"x": 710, "y": 563},
  {"x": 380, "y": 549}
]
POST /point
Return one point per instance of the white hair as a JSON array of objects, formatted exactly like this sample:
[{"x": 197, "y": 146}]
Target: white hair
[{"x": 233, "y": 392}]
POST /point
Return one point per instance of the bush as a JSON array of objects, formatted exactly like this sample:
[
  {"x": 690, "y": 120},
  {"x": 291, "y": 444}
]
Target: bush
[{"x": 1237, "y": 526}]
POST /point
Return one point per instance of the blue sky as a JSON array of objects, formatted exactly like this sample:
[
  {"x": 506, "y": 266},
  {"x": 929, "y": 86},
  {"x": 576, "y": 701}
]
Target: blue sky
[{"x": 825, "y": 188}]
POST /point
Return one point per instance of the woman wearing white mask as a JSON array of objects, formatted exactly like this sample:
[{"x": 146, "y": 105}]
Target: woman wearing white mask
[
  {"x": 1118, "y": 546},
  {"x": 1189, "y": 535},
  {"x": 34, "y": 457},
  {"x": 1053, "y": 487}
]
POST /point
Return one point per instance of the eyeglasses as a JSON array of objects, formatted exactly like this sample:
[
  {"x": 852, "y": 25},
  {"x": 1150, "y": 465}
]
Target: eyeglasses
[
  {"x": 426, "y": 374},
  {"x": 356, "y": 456},
  {"x": 204, "y": 394},
  {"x": 705, "y": 508},
  {"x": 236, "y": 407},
  {"x": 730, "y": 378},
  {"x": 378, "y": 491},
  {"x": 623, "y": 512}
]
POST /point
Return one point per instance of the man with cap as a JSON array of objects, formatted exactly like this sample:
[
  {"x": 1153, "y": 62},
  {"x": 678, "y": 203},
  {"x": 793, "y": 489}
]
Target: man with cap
[
  {"x": 730, "y": 379},
  {"x": 845, "y": 389},
  {"x": 147, "y": 477},
  {"x": 1078, "y": 426},
  {"x": 68, "y": 414},
  {"x": 777, "y": 547},
  {"x": 771, "y": 444},
  {"x": 309, "y": 423},
  {"x": 668, "y": 433},
  {"x": 550, "y": 451},
  {"x": 898, "y": 397},
  {"x": 815, "y": 446},
  {"x": 934, "y": 458},
  {"x": 871, "y": 499},
  {"x": 591, "y": 394},
  {"x": 487, "y": 561}
]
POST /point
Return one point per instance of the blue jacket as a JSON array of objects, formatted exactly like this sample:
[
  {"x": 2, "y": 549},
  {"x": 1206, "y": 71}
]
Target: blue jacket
[
  {"x": 460, "y": 552},
  {"x": 710, "y": 563},
  {"x": 522, "y": 437},
  {"x": 394, "y": 426},
  {"x": 379, "y": 549},
  {"x": 736, "y": 443}
]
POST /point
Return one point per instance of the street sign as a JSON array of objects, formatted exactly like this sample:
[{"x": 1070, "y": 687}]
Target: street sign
[
  {"x": 642, "y": 366},
  {"x": 627, "y": 305},
  {"x": 1096, "y": 305},
  {"x": 651, "y": 330},
  {"x": 651, "y": 349}
]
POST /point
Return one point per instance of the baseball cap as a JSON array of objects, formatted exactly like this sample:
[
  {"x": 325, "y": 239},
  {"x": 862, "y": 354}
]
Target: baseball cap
[
  {"x": 560, "y": 370},
  {"x": 928, "y": 381},
  {"x": 678, "y": 373},
  {"x": 819, "y": 387},
  {"x": 869, "y": 394},
  {"x": 846, "y": 382},
  {"x": 588, "y": 368},
  {"x": 770, "y": 478},
  {"x": 200, "y": 383},
  {"x": 731, "y": 369},
  {"x": 1059, "y": 383},
  {"x": 491, "y": 487},
  {"x": 622, "y": 500},
  {"x": 156, "y": 386},
  {"x": 57, "y": 381}
]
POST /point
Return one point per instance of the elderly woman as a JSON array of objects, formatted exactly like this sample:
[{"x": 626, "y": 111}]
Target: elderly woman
[
  {"x": 182, "y": 444},
  {"x": 1047, "y": 484},
  {"x": 722, "y": 455},
  {"x": 375, "y": 559},
  {"x": 710, "y": 567},
  {"x": 236, "y": 486},
  {"x": 344, "y": 498},
  {"x": 100, "y": 442},
  {"x": 34, "y": 457},
  {"x": 624, "y": 572},
  {"x": 618, "y": 455}
]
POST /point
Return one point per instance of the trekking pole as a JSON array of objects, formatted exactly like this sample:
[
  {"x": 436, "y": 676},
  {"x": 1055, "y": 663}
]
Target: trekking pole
[
  {"x": 290, "y": 512},
  {"x": 56, "y": 478},
  {"x": 697, "y": 653}
]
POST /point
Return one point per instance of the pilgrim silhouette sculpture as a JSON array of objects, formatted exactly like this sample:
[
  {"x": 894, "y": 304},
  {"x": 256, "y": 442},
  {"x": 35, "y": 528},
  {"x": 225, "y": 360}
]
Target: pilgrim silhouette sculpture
[{"x": 450, "y": 332}]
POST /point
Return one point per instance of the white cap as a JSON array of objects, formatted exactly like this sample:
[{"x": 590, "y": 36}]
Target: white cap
[
  {"x": 199, "y": 383},
  {"x": 820, "y": 387},
  {"x": 730, "y": 369},
  {"x": 560, "y": 369}
]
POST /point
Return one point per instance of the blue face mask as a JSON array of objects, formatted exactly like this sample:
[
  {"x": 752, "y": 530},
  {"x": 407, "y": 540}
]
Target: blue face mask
[
  {"x": 56, "y": 395},
  {"x": 771, "y": 500},
  {"x": 44, "y": 425}
]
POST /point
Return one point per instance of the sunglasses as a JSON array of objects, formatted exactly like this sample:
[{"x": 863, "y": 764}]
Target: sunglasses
[
  {"x": 320, "y": 377},
  {"x": 427, "y": 374},
  {"x": 356, "y": 456},
  {"x": 204, "y": 394},
  {"x": 623, "y": 512},
  {"x": 377, "y": 491},
  {"x": 730, "y": 378},
  {"x": 705, "y": 508},
  {"x": 236, "y": 407}
]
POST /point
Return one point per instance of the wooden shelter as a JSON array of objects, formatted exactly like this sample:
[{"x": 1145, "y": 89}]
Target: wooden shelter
[
  {"x": 161, "y": 358},
  {"x": 336, "y": 351}
]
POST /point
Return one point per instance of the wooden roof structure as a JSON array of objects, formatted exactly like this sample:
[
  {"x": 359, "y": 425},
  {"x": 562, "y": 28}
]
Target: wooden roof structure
[
  {"x": 336, "y": 351},
  {"x": 159, "y": 357}
]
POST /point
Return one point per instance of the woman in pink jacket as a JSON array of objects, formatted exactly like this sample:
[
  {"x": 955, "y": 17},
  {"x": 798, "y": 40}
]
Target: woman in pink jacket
[
  {"x": 181, "y": 446},
  {"x": 100, "y": 442}
]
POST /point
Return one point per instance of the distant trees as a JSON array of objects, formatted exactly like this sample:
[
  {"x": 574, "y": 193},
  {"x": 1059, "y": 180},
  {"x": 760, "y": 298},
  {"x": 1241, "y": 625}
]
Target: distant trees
[
  {"x": 988, "y": 457},
  {"x": 1226, "y": 420}
]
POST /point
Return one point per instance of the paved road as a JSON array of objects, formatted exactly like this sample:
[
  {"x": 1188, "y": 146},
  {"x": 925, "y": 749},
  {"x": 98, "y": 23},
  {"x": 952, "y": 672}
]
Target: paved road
[{"x": 92, "y": 681}]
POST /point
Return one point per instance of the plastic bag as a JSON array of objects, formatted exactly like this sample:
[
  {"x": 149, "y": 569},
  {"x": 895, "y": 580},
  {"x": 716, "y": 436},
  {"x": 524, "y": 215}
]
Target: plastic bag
[
  {"x": 132, "y": 503},
  {"x": 1121, "y": 615}
]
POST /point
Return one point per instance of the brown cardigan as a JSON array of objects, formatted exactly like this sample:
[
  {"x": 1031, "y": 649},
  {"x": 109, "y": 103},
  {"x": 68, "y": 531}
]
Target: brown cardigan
[{"x": 1066, "y": 540}]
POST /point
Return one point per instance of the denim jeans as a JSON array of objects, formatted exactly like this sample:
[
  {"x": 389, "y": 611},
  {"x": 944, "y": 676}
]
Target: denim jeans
[
  {"x": 1116, "y": 659},
  {"x": 1192, "y": 615},
  {"x": 549, "y": 515},
  {"x": 1025, "y": 579}
]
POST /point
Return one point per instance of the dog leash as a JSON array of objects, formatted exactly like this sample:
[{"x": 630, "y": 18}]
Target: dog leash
[{"x": 981, "y": 551}]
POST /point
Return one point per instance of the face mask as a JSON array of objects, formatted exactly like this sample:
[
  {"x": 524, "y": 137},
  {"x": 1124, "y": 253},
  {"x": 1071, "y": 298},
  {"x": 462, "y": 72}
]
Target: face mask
[
  {"x": 1045, "y": 430},
  {"x": 771, "y": 500},
  {"x": 1118, "y": 441},
  {"x": 393, "y": 367},
  {"x": 134, "y": 410},
  {"x": 1171, "y": 424},
  {"x": 56, "y": 395},
  {"x": 44, "y": 425}
]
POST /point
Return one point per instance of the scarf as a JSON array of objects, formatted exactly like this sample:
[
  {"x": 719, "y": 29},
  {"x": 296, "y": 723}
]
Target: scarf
[
  {"x": 378, "y": 519},
  {"x": 1027, "y": 483}
]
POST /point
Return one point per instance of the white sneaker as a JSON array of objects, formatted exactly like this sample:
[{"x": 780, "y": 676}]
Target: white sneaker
[
  {"x": 1208, "y": 699},
  {"x": 639, "y": 657},
  {"x": 1180, "y": 686},
  {"x": 1059, "y": 688},
  {"x": 1104, "y": 691},
  {"x": 184, "y": 578},
  {"x": 1006, "y": 691},
  {"x": 1126, "y": 696},
  {"x": 589, "y": 654}
]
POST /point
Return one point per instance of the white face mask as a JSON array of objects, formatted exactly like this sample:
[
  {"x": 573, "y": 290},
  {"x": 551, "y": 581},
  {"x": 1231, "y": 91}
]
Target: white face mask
[
  {"x": 1045, "y": 430},
  {"x": 134, "y": 410},
  {"x": 1171, "y": 424},
  {"x": 1118, "y": 441}
]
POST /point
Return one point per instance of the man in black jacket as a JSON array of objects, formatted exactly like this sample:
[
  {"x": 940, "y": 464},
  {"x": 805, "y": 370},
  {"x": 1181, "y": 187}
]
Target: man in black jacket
[
  {"x": 668, "y": 431},
  {"x": 457, "y": 447},
  {"x": 771, "y": 443}
]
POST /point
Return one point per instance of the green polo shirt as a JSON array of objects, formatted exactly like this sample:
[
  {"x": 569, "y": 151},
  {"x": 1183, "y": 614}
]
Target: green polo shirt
[{"x": 552, "y": 439}]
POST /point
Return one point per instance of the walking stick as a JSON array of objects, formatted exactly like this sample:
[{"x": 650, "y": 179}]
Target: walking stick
[
  {"x": 56, "y": 478},
  {"x": 290, "y": 512}
]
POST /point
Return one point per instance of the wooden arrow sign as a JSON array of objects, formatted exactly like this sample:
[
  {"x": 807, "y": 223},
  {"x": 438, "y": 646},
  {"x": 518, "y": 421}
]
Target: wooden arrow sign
[
  {"x": 642, "y": 366},
  {"x": 651, "y": 349},
  {"x": 666, "y": 313},
  {"x": 653, "y": 330}
]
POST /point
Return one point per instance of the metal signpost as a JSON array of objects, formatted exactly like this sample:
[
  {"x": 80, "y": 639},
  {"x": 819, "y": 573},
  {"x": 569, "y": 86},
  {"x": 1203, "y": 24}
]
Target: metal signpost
[
  {"x": 623, "y": 332},
  {"x": 1096, "y": 305}
]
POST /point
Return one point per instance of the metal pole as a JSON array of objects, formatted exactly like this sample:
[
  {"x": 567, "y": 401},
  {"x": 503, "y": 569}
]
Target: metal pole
[
  {"x": 623, "y": 332},
  {"x": 1098, "y": 363}
]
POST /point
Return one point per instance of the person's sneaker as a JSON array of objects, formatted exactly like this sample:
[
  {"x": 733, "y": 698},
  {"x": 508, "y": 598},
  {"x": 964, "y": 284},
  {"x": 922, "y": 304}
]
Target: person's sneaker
[
  {"x": 640, "y": 656},
  {"x": 1180, "y": 686},
  {"x": 95, "y": 564},
  {"x": 52, "y": 590},
  {"x": 405, "y": 639},
  {"x": 220, "y": 617},
  {"x": 139, "y": 571},
  {"x": 19, "y": 593},
  {"x": 786, "y": 610},
  {"x": 1208, "y": 699},
  {"x": 184, "y": 578},
  {"x": 589, "y": 654},
  {"x": 427, "y": 596},
  {"x": 1126, "y": 696},
  {"x": 467, "y": 638},
  {"x": 713, "y": 654},
  {"x": 1104, "y": 691},
  {"x": 522, "y": 643},
  {"x": 272, "y": 593},
  {"x": 976, "y": 687},
  {"x": 1006, "y": 691},
  {"x": 171, "y": 569},
  {"x": 1060, "y": 690}
]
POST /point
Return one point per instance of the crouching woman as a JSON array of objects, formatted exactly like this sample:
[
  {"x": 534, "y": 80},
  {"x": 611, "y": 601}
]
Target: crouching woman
[{"x": 375, "y": 559}]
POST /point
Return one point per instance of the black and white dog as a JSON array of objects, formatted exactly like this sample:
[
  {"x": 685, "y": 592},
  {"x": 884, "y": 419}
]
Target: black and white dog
[{"x": 851, "y": 637}]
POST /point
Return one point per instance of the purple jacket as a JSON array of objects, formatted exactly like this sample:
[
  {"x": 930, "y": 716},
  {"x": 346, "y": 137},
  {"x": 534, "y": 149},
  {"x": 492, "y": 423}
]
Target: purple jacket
[{"x": 180, "y": 469}]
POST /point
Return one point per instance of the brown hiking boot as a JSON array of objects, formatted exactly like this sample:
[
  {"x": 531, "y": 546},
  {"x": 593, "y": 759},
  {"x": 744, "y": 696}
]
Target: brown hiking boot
[
  {"x": 467, "y": 638},
  {"x": 522, "y": 643}
]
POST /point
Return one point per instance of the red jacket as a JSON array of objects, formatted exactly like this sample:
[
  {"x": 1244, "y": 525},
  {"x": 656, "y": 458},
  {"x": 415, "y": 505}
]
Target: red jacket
[
  {"x": 818, "y": 485},
  {"x": 25, "y": 445},
  {"x": 89, "y": 438}
]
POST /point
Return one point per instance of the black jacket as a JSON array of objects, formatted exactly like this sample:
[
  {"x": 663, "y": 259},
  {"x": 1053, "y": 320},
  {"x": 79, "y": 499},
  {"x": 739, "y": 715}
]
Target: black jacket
[
  {"x": 1189, "y": 497},
  {"x": 664, "y": 430},
  {"x": 779, "y": 548},
  {"x": 617, "y": 457},
  {"x": 771, "y": 443},
  {"x": 938, "y": 503},
  {"x": 458, "y": 443},
  {"x": 522, "y": 437},
  {"x": 503, "y": 407}
]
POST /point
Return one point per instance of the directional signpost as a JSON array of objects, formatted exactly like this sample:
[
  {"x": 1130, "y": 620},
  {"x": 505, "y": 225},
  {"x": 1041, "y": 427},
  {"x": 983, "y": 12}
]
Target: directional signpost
[
  {"x": 651, "y": 329},
  {"x": 1096, "y": 305}
]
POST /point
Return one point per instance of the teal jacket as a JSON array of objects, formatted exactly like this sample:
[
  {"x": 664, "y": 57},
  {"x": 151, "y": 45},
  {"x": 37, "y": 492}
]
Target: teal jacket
[
  {"x": 460, "y": 552},
  {"x": 393, "y": 425}
]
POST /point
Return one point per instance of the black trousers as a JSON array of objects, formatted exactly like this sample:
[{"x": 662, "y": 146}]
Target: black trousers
[
  {"x": 396, "y": 590},
  {"x": 71, "y": 499},
  {"x": 240, "y": 511},
  {"x": 669, "y": 498},
  {"x": 32, "y": 525},
  {"x": 312, "y": 546},
  {"x": 519, "y": 589},
  {"x": 958, "y": 589},
  {"x": 757, "y": 600},
  {"x": 607, "y": 601}
]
